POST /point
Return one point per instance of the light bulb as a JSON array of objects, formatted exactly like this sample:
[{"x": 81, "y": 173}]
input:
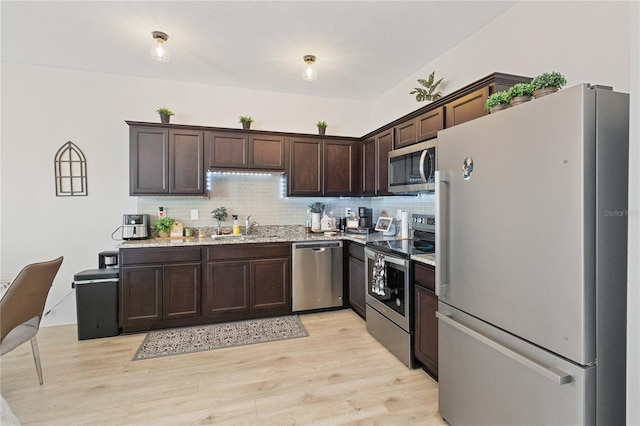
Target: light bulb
[
  {"x": 309, "y": 73},
  {"x": 159, "y": 52}
]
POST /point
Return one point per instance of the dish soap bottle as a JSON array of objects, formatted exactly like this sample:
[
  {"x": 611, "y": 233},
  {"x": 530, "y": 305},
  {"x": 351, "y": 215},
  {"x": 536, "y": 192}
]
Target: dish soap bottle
[{"x": 236, "y": 225}]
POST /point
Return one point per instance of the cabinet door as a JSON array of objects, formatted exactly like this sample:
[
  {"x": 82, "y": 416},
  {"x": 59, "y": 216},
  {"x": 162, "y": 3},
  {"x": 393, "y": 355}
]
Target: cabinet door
[
  {"x": 305, "y": 167},
  {"x": 270, "y": 285},
  {"x": 227, "y": 150},
  {"x": 266, "y": 152},
  {"x": 181, "y": 291},
  {"x": 426, "y": 324},
  {"x": 369, "y": 167},
  {"x": 405, "y": 133},
  {"x": 141, "y": 295},
  {"x": 339, "y": 161},
  {"x": 467, "y": 107},
  {"x": 226, "y": 290},
  {"x": 357, "y": 285},
  {"x": 429, "y": 124},
  {"x": 186, "y": 162},
  {"x": 384, "y": 144},
  {"x": 148, "y": 161}
]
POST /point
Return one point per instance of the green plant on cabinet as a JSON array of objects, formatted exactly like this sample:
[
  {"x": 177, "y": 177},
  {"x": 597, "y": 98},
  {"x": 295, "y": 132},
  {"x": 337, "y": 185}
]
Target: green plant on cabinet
[{"x": 428, "y": 93}]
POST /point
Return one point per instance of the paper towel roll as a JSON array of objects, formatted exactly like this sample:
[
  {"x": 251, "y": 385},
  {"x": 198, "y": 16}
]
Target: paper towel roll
[{"x": 405, "y": 225}]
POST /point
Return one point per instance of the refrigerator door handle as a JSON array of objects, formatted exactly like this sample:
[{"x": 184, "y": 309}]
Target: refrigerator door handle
[
  {"x": 442, "y": 263},
  {"x": 554, "y": 374}
]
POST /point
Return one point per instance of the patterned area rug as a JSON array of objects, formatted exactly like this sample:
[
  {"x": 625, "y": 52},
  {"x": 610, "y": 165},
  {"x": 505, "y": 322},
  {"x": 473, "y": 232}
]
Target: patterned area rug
[{"x": 177, "y": 341}]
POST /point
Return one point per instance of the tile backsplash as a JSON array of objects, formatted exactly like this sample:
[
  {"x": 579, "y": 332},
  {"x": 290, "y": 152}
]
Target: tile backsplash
[{"x": 264, "y": 198}]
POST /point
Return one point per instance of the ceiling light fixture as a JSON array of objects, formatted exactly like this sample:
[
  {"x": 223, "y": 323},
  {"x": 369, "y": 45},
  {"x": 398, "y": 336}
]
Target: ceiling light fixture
[
  {"x": 158, "y": 52},
  {"x": 309, "y": 73}
]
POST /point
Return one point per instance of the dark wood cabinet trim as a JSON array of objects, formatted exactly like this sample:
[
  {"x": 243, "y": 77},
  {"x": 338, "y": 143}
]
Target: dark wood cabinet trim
[{"x": 500, "y": 80}]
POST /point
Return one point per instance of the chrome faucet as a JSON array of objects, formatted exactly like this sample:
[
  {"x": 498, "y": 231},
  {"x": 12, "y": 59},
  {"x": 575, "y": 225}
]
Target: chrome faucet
[{"x": 249, "y": 226}]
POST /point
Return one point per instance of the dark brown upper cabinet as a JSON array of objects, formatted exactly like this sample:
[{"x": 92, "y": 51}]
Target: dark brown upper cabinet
[
  {"x": 467, "y": 108},
  {"x": 305, "y": 167},
  {"x": 429, "y": 124},
  {"x": 340, "y": 165},
  {"x": 165, "y": 161},
  {"x": 375, "y": 164},
  {"x": 320, "y": 167},
  {"x": 405, "y": 134},
  {"x": 226, "y": 150}
]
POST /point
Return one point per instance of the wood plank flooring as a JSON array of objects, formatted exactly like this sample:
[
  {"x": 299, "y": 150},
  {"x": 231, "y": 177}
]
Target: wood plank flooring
[{"x": 337, "y": 375}]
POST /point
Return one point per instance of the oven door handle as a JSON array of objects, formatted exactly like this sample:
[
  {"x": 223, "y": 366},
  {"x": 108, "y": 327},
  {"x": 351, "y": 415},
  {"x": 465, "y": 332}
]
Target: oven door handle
[
  {"x": 442, "y": 235},
  {"x": 387, "y": 258}
]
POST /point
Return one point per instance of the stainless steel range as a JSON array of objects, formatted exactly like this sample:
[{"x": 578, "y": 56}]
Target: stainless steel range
[{"x": 389, "y": 298}]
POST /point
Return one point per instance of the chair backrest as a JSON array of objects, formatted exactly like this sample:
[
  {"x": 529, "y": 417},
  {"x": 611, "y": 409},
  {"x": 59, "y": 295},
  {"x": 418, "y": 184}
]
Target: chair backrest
[{"x": 27, "y": 295}]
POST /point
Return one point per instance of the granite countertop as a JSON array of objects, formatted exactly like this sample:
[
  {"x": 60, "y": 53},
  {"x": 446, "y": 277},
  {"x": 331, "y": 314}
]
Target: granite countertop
[{"x": 266, "y": 234}]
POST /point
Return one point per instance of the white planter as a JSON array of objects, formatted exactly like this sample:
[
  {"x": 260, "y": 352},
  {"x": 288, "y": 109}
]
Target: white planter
[{"x": 315, "y": 221}]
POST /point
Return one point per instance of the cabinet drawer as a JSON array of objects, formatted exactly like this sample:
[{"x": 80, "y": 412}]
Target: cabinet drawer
[
  {"x": 159, "y": 255},
  {"x": 424, "y": 276},
  {"x": 248, "y": 251}
]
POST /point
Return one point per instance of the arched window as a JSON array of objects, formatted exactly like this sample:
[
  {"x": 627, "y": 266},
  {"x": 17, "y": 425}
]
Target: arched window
[{"x": 71, "y": 171}]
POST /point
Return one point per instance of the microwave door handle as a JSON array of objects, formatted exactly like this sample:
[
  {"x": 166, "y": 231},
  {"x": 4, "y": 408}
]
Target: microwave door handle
[
  {"x": 422, "y": 158},
  {"x": 442, "y": 235}
]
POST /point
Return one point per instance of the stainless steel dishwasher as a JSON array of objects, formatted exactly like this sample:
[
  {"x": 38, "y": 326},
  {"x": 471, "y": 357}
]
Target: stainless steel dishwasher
[{"x": 317, "y": 275}]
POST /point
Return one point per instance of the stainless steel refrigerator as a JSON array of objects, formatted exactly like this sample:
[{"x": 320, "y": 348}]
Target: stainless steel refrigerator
[{"x": 531, "y": 258}]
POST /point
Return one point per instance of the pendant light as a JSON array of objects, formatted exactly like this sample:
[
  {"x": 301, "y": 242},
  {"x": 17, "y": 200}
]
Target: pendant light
[
  {"x": 158, "y": 52},
  {"x": 309, "y": 73}
]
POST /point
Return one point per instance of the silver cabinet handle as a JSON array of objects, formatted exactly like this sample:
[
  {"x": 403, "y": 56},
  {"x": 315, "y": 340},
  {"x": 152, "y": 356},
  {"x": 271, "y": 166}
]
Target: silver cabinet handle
[
  {"x": 442, "y": 259},
  {"x": 554, "y": 374}
]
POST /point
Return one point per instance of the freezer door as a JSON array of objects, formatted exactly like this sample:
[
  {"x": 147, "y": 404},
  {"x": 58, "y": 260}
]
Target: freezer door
[
  {"x": 516, "y": 240},
  {"x": 489, "y": 377}
]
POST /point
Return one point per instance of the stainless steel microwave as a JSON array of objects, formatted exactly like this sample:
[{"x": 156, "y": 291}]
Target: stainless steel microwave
[{"x": 412, "y": 169}]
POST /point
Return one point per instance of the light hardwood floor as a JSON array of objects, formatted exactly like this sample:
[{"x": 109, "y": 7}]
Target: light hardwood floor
[{"x": 337, "y": 375}]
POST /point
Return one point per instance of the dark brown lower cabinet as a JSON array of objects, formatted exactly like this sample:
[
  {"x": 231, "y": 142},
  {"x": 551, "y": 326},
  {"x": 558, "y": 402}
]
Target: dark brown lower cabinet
[
  {"x": 159, "y": 287},
  {"x": 247, "y": 281},
  {"x": 355, "y": 278},
  {"x": 180, "y": 286},
  {"x": 426, "y": 323}
]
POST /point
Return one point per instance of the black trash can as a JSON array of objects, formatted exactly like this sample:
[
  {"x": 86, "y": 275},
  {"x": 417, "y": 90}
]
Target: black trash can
[{"x": 97, "y": 303}]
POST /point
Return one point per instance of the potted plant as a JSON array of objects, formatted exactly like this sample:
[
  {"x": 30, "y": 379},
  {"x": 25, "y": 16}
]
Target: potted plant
[
  {"x": 427, "y": 94},
  {"x": 497, "y": 101},
  {"x": 163, "y": 226},
  {"x": 547, "y": 83},
  {"x": 246, "y": 121},
  {"x": 165, "y": 114},
  {"x": 322, "y": 127},
  {"x": 316, "y": 209},
  {"x": 519, "y": 93},
  {"x": 219, "y": 214}
]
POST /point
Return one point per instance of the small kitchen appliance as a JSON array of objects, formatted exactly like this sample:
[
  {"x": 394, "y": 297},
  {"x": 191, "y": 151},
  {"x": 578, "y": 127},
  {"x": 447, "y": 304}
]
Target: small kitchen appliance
[
  {"x": 366, "y": 217},
  {"x": 135, "y": 226}
]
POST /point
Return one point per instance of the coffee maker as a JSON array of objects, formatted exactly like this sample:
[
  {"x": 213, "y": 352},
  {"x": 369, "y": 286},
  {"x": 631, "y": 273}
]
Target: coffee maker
[
  {"x": 135, "y": 226},
  {"x": 366, "y": 218}
]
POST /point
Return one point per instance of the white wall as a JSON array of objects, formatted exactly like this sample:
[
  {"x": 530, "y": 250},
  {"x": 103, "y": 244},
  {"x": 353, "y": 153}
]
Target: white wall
[
  {"x": 42, "y": 108},
  {"x": 585, "y": 41}
]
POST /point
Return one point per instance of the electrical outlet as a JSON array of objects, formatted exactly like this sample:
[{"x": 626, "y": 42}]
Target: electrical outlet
[
  {"x": 347, "y": 211},
  {"x": 194, "y": 214}
]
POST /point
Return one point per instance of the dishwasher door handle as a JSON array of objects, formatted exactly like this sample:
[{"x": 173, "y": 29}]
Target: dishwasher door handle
[{"x": 319, "y": 249}]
